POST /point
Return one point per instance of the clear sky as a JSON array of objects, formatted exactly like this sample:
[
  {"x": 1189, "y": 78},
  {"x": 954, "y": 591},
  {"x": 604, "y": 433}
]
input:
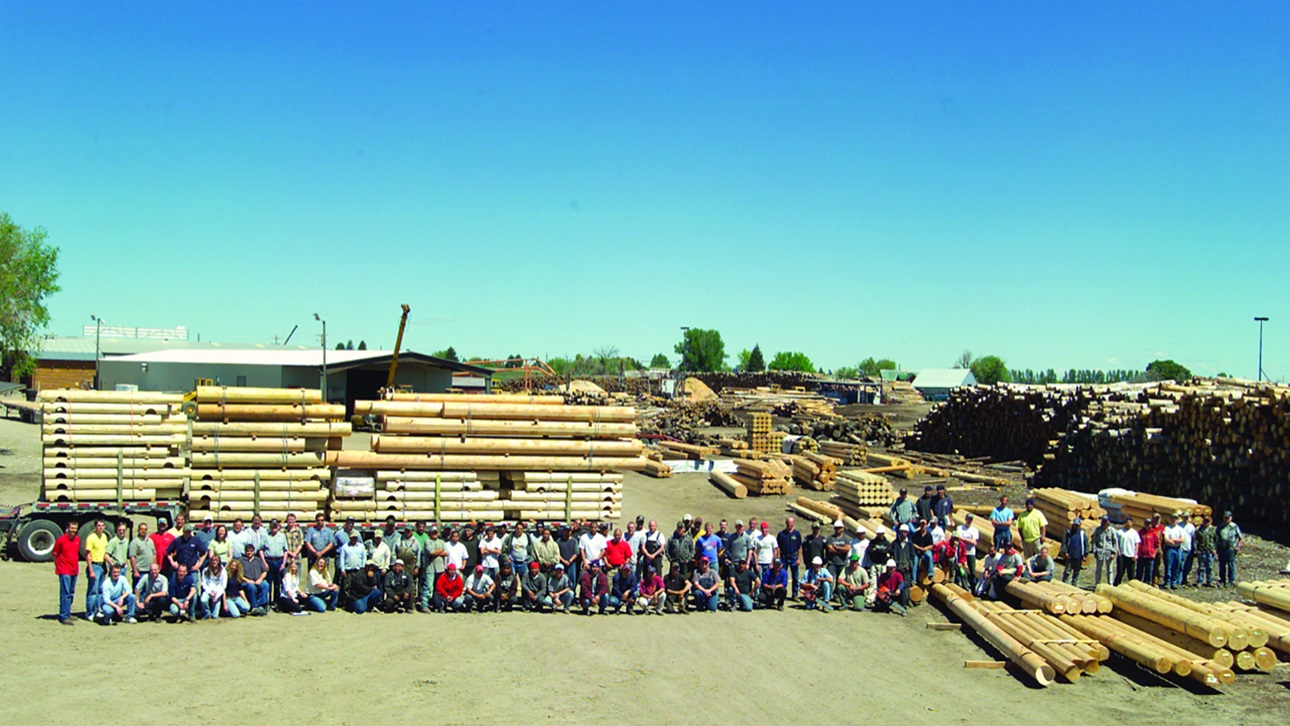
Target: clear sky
[{"x": 1065, "y": 185}]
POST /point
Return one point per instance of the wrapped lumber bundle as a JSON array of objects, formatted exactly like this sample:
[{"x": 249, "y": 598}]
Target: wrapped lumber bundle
[
  {"x": 847, "y": 454},
  {"x": 112, "y": 446},
  {"x": 1070, "y": 652},
  {"x": 792, "y": 444},
  {"x": 563, "y": 496},
  {"x": 262, "y": 451},
  {"x": 764, "y": 478},
  {"x": 411, "y": 496},
  {"x": 1061, "y": 506},
  {"x": 814, "y": 471}
]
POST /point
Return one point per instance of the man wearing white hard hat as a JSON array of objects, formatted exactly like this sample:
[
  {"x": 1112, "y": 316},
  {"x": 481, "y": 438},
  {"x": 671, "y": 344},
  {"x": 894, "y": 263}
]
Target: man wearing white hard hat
[{"x": 817, "y": 587}]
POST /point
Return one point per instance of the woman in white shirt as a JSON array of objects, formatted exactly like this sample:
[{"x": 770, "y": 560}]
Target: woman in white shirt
[
  {"x": 322, "y": 592},
  {"x": 213, "y": 581},
  {"x": 292, "y": 600}
]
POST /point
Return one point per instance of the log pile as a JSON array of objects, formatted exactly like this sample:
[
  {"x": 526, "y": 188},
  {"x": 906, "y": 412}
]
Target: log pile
[
  {"x": 959, "y": 602},
  {"x": 759, "y": 438},
  {"x": 1061, "y": 506},
  {"x": 262, "y": 450},
  {"x": 410, "y": 496},
  {"x": 857, "y": 491},
  {"x": 1274, "y": 595},
  {"x": 846, "y": 453},
  {"x": 1143, "y": 506},
  {"x": 562, "y": 496},
  {"x": 871, "y": 429},
  {"x": 1058, "y": 598},
  {"x": 764, "y": 478},
  {"x": 1149, "y": 651},
  {"x": 1070, "y": 652},
  {"x": 814, "y": 471},
  {"x": 112, "y": 446}
]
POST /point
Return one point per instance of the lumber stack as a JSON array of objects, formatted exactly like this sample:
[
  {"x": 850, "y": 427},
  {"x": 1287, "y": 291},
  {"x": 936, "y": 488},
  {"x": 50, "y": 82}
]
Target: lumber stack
[
  {"x": 814, "y": 471},
  {"x": 1273, "y": 595},
  {"x": 764, "y": 478},
  {"x": 691, "y": 452},
  {"x": 1061, "y": 506},
  {"x": 112, "y": 446},
  {"x": 960, "y": 603},
  {"x": 858, "y": 490},
  {"x": 1143, "y": 506},
  {"x": 847, "y": 454},
  {"x": 410, "y": 496},
  {"x": 1154, "y": 653},
  {"x": 1070, "y": 652},
  {"x": 759, "y": 438},
  {"x": 262, "y": 451},
  {"x": 563, "y": 496}
]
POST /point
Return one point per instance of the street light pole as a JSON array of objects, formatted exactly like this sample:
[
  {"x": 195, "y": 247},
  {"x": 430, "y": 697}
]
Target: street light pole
[
  {"x": 1260, "y": 320},
  {"x": 324, "y": 356},
  {"x": 98, "y": 328},
  {"x": 680, "y": 375}
]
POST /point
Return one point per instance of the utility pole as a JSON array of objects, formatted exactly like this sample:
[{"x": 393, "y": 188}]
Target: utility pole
[
  {"x": 98, "y": 328},
  {"x": 1260, "y": 320},
  {"x": 324, "y": 356}
]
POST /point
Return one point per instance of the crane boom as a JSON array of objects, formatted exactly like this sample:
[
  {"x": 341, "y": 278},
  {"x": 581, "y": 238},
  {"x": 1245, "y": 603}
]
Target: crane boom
[{"x": 398, "y": 343}]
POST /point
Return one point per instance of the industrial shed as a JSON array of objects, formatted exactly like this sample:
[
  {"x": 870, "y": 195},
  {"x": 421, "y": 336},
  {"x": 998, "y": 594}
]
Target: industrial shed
[
  {"x": 351, "y": 374},
  {"x": 68, "y": 362},
  {"x": 936, "y": 383}
]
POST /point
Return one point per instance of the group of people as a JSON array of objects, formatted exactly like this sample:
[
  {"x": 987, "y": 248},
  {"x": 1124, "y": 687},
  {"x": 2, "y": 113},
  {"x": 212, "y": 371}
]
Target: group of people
[{"x": 188, "y": 573}]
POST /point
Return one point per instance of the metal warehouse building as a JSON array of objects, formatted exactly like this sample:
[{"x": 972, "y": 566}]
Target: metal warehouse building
[{"x": 351, "y": 374}]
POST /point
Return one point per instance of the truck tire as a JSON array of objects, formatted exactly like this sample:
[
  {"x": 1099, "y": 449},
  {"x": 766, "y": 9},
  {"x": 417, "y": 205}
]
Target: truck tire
[{"x": 36, "y": 540}]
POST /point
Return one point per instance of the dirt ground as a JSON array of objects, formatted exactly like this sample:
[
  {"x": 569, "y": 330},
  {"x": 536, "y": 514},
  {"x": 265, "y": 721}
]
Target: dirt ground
[{"x": 788, "y": 667}]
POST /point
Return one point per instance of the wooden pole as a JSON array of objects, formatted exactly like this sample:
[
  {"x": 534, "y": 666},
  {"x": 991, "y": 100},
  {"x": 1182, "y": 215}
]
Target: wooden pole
[{"x": 1034, "y": 666}]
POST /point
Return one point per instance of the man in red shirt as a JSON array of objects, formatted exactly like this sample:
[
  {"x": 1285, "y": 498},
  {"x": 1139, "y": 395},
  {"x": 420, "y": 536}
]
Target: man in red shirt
[
  {"x": 67, "y": 557},
  {"x": 1148, "y": 545},
  {"x": 448, "y": 590},
  {"x": 617, "y": 552},
  {"x": 161, "y": 540}
]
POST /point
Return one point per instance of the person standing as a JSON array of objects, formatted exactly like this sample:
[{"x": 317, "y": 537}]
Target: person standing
[
  {"x": 1227, "y": 544},
  {"x": 67, "y": 562},
  {"x": 1002, "y": 518},
  {"x": 206, "y": 532},
  {"x": 923, "y": 542},
  {"x": 518, "y": 548},
  {"x": 1187, "y": 552},
  {"x": 1032, "y": 525},
  {"x": 740, "y": 545},
  {"x": 295, "y": 540},
  {"x": 923, "y": 507},
  {"x": 96, "y": 543},
  {"x": 1148, "y": 548},
  {"x": 1075, "y": 548},
  {"x": 970, "y": 537},
  {"x": 546, "y": 552},
  {"x": 591, "y": 546},
  {"x": 161, "y": 540},
  {"x": 709, "y": 545},
  {"x": 568, "y": 547},
  {"x": 275, "y": 554},
  {"x": 942, "y": 507},
  {"x": 618, "y": 553},
  {"x": 635, "y": 537},
  {"x": 901, "y": 511},
  {"x": 1105, "y": 545},
  {"x": 766, "y": 549},
  {"x": 1172, "y": 541},
  {"x": 905, "y": 556},
  {"x": 118, "y": 549},
  {"x": 878, "y": 553},
  {"x": 141, "y": 553},
  {"x": 1126, "y": 565},
  {"x": 790, "y": 553},
  {"x": 1204, "y": 541},
  {"x": 680, "y": 550},
  {"x": 490, "y": 551},
  {"x": 319, "y": 543}
]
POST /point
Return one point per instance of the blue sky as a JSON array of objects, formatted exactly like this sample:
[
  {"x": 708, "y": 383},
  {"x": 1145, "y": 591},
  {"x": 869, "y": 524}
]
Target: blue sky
[{"x": 1090, "y": 187}]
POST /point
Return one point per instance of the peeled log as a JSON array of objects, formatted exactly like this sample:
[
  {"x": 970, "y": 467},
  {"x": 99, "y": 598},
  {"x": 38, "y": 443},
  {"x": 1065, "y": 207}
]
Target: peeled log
[
  {"x": 1034, "y": 597},
  {"x": 476, "y": 427},
  {"x": 728, "y": 485},
  {"x": 518, "y": 447},
  {"x": 477, "y": 398},
  {"x": 1026, "y": 659},
  {"x": 227, "y": 394},
  {"x": 1222, "y": 656},
  {"x": 284, "y": 429},
  {"x": 1135, "y": 650},
  {"x": 1277, "y": 597},
  {"x": 505, "y": 411},
  {"x": 373, "y": 460},
  {"x": 274, "y": 412},
  {"x": 1201, "y": 627}
]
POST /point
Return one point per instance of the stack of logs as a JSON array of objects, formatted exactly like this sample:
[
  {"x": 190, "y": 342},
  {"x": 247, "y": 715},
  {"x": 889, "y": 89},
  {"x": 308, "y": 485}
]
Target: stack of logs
[
  {"x": 1060, "y": 507},
  {"x": 545, "y": 496},
  {"x": 432, "y": 496},
  {"x": 117, "y": 446},
  {"x": 762, "y": 478},
  {"x": 870, "y": 429},
  {"x": 858, "y": 490},
  {"x": 1143, "y": 506},
  {"x": 847, "y": 454},
  {"x": 814, "y": 471},
  {"x": 262, "y": 450},
  {"x": 509, "y": 434},
  {"x": 759, "y": 438}
]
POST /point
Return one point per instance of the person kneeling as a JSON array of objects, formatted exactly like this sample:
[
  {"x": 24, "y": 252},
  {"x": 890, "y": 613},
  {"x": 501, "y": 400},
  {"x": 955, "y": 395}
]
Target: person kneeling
[
  {"x": 364, "y": 589},
  {"x": 853, "y": 588},
  {"x": 118, "y": 598},
  {"x": 479, "y": 590},
  {"x": 533, "y": 589},
  {"x": 398, "y": 590},
  {"x": 817, "y": 587},
  {"x": 449, "y": 591},
  {"x": 891, "y": 586},
  {"x": 742, "y": 587}
]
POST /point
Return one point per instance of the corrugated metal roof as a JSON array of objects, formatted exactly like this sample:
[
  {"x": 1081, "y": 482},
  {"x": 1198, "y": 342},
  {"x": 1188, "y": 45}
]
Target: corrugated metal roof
[
  {"x": 294, "y": 357},
  {"x": 82, "y": 348},
  {"x": 944, "y": 378}
]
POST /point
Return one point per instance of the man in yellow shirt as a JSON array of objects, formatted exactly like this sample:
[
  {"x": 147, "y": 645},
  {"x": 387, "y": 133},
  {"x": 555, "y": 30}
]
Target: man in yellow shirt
[
  {"x": 1030, "y": 525},
  {"x": 96, "y": 544}
]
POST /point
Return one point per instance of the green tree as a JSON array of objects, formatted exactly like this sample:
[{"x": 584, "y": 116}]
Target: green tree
[
  {"x": 701, "y": 351},
  {"x": 28, "y": 275},
  {"x": 448, "y": 353},
  {"x": 1167, "y": 370},
  {"x": 560, "y": 365},
  {"x": 362, "y": 345},
  {"x": 340, "y": 345},
  {"x": 847, "y": 372},
  {"x": 874, "y": 368},
  {"x": 741, "y": 360},
  {"x": 659, "y": 361},
  {"x": 756, "y": 363},
  {"x": 990, "y": 369},
  {"x": 792, "y": 361}
]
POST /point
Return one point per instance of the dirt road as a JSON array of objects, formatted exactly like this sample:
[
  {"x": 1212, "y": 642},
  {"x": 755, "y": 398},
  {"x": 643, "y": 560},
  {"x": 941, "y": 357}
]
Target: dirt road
[{"x": 760, "y": 667}]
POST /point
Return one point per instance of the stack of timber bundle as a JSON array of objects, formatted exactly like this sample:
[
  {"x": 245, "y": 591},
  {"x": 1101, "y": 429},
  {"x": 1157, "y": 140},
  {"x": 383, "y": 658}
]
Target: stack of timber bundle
[
  {"x": 848, "y": 454},
  {"x": 1273, "y": 595},
  {"x": 1059, "y": 598},
  {"x": 798, "y": 444},
  {"x": 262, "y": 451},
  {"x": 563, "y": 496},
  {"x": 1144, "y": 506},
  {"x": 1070, "y": 652},
  {"x": 1150, "y": 651},
  {"x": 960, "y": 602},
  {"x": 759, "y": 438},
  {"x": 763, "y": 478},
  {"x": 782, "y": 402},
  {"x": 892, "y": 465},
  {"x": 117, "y": 446},
  {"x": 429, "y": 496},
  {"x": 1060, "y": 507},
  {"x": 858, "y": 490},
  {"x": 691, "y": 452},
  {"x": 815, "y": 471}
]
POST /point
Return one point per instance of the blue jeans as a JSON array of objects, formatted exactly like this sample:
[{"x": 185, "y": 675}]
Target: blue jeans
[
  {"x": 210, "y": 606},
  {"x": 565, "y": 600},
  {"x": 617, "y": 603},
  {"x": 94, "y": 591},
  {"x": 1227, "y": 567},
  {"x": 109, "y": 612},
  {"x": 1205, "y": 570},
  {"x": 446, "y": 605},
  {"x": 705, "y": 602},
  {"x": 190, "y": 614},
  {"x": 1188, "y": 559},
  {"x": 275, "y": 579},
  {"x": 1173, "y": 566},
  {"x": 740, "y": 602},
  {"x": 601, "y": 602},
  {"x": 363, "y": 604},
  {"x": 66, "y": 593},
  {"x": 257, "y": 594},
  {"x": 1146, "y": 569},
  {"x": 822, "y": 596},
  {"x": 922, "y": 563},
  {"x": 237, "y": 606},
  {"x": 793, "y": 575},
  {"x": 321, "y": 601},
  {"x": 1002, "y": 536}
]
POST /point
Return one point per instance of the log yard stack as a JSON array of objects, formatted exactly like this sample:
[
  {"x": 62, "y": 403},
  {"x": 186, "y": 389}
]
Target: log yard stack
[
  {"x": 262, "y": 450},
  {"x": 759, "y": 438},
  {"x": 848, "y": 454},
  {"x": 113, "y": 446},
  {"x": 763, "y": 478},
  {"x": 858, "y": 491},
  {"x": 431, "y": 496},
  {"x": 814, "y": 471},
  {"x": 548, "y": 460},
  {"x": 1060, "y": 507}
]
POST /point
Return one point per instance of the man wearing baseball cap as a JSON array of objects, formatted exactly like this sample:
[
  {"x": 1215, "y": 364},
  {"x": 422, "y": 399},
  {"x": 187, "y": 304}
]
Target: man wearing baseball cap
[
  {"x": 774, "y": 586},
  {"x": 593, "y": 588},
  {"x": 560, "y": 588},
  {"x": 449, "y": 591},
  {"x": 399, "y": 589},
  {"x": 707, "y": 584},
  {"x": 533, "y": 586},
  {"x": 1032, "y": 526}
]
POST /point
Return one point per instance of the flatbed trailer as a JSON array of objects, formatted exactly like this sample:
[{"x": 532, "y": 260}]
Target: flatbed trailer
[{"x": 28, "y": 531}]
